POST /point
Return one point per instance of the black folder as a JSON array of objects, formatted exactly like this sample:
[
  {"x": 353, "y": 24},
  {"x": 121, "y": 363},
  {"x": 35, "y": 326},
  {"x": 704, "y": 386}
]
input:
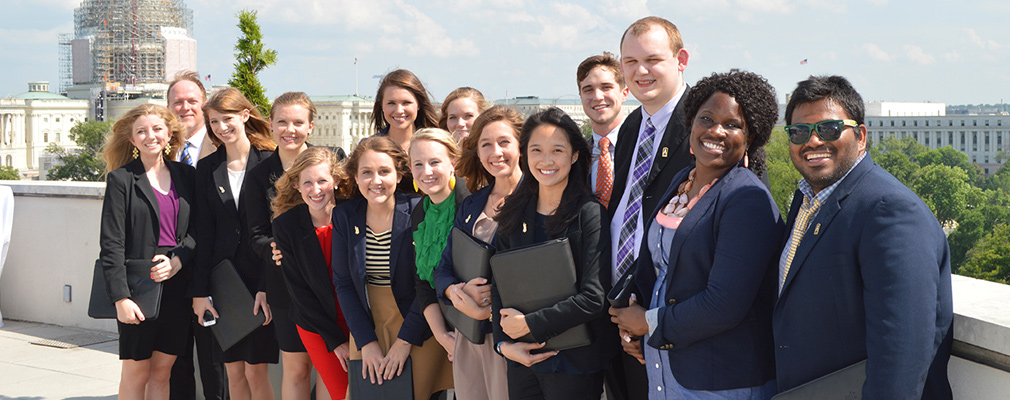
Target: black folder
[
  {"x": 234, "y": 305},
  {"x": 143, "y": 290},
  {"x": 844, "y": 384},
  {"x": 399, "y": 388},
  {"x": 620, "y": 294},
  {"x": 534, "y": 277},
  {"x": 470, "y": 259}
]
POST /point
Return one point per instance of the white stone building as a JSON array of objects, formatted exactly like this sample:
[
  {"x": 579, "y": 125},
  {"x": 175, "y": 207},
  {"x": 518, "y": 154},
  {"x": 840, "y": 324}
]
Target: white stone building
[
  {"x": 527, "y": 105},
  {"x": 341, "y": 121},
  {"x": 984, "y": 138},
  {"x": 32, "y": 120}
]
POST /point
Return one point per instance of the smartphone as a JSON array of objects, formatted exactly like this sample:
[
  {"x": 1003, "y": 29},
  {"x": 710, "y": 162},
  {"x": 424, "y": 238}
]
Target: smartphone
[{"x": 208, "y": 319}]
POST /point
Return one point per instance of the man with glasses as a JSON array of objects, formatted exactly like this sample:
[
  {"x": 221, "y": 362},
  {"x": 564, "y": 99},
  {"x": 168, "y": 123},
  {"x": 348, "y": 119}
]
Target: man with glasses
[{"x": 865, "y": 271}]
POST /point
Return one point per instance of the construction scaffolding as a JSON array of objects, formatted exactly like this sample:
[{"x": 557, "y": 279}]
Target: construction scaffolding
[
  {"x": 126, "y": 39},
  {"x": 66, "y": 63}
]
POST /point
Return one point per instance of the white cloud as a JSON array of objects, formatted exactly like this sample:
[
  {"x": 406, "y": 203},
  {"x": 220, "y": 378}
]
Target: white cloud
[
  {"x": 570, "y": 32},
  {"x": 876, "y": 52},
  {"x": 974, "y": 38},
  {"x": 624, "y": 9},
  {"x": 952, "y": 56},
  {"x": 430, "y": 38},
  {"x": 767, "y": 6},
  {"x": 878, "y": 3},
  {"x": 917, "y": 55}
]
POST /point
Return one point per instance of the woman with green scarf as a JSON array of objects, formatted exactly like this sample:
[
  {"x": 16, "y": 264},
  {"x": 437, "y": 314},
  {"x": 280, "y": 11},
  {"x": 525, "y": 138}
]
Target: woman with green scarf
[{"x": 432, "y": 154}]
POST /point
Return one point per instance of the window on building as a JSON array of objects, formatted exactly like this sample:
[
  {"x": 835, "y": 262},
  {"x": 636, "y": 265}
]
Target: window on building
[
  {"x": 950, "y": 138},
  {"x": 10, "y": 160},
  {"x": 57, "y": 119},
  {"x": 45, "y": 137},
  {"x": 57, "y": 137},
  {"x": 903, "y": 122},
  {"x": 45, "y": 119},
  {"x": 962, "y": 122},
  {"x": 974, "y": 137},
  {"x": 915, "y": 123},
  {"x": 986, "y": 122},
  {"x": 987, "y": 171},
  {"x": 950, "y": 122},
  {"x": 892, "y": 122},
  {"x": 915, "y": 135},
  {"x": 974, "y": 122},
  {"x": 999, "y": 139}
]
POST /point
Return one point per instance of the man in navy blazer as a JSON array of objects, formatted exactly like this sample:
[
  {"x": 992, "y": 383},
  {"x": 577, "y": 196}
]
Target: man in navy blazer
[{"x": 868, "y": 278}]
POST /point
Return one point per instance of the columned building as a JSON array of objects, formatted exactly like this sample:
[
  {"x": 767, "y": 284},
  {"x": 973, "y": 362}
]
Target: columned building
[
  {"x": 984, "y": 138},
  {"x": 32, "y": 120},
  {"x": 341, "y": 121}
]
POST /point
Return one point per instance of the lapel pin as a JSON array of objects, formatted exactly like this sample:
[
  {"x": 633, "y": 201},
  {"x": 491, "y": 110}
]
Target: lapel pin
[
  {"x": 665, "y": 151},
  {"x": 221, "y": 188},
  {"x": 355, "y": 230},
  {"x": 467, "y": 221},
  {"x": 817, "y": 229},
  {"x": 524, "y": 227}
]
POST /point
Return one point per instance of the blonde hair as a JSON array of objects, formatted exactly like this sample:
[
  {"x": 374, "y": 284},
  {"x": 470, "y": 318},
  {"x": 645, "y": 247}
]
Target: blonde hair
[
  {"x": 644, "y": 25},
  {"x": 118, "y": 150},
  {"x": 378, "y": 144},
  {"x": 291, "y": 99},
  {"x": 288, "y": 195},
  {"x": 437, "y": 135},
  {"x": 465, "y": 92},
  {"x": 231, "y": 101}
]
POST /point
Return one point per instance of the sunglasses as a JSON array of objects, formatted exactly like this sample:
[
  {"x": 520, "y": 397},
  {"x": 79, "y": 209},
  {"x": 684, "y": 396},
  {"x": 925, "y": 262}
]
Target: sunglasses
[{"x": 829, "y": 130}]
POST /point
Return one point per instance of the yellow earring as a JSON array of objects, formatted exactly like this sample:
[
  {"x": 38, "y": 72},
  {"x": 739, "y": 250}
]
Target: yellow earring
[
  {"x": 135, "y": 153},
  {"x": 452, "y": 182},
  {"x": 168, "y": 148},
  {"x": 416, "y": 189}
]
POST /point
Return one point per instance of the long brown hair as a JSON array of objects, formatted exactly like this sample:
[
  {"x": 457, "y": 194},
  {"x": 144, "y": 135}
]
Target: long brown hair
[
  {"x": 469, "y": 166},
  {"x": 288, "y": 195},
  {"x": 378, "y": 144},
  {"x": 426, "y": 117},
  {"x": 231, "y": 101},
  {"x": 118, "y": 150},
  {"x": 464, "y": 92}
]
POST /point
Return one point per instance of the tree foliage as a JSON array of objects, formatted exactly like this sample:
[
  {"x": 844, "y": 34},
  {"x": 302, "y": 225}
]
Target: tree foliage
[
  {"x": 86, "y": 163},
  {"x": 251, "y": 57},
  {"x": 945, "y": 190},
  {"x": 990, "y": 258},
  {"x": 781, "y": 174},
  {"x": 9, "y": 173}
]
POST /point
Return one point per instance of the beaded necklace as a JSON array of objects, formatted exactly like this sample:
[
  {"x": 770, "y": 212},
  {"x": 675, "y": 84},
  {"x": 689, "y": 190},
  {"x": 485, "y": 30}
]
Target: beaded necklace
[{"x": 679, "y": 205}]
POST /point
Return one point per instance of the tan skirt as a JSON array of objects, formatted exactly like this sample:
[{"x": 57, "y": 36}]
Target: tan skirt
[{"x": 431, "y": 366}]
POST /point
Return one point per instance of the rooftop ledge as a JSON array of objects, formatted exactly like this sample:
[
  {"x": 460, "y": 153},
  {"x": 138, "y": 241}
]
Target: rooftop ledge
[
  {"x": 86, "y": 190},
  {"x": 982, "y": 321}
]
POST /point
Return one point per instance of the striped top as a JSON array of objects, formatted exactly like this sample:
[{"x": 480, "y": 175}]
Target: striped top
[{"x": 377, "y": 257}]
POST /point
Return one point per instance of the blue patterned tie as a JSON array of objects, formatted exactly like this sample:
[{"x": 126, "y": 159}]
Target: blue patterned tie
[
  {"x": 643, "y": 163},
  {"x": 186, "y": 158}
]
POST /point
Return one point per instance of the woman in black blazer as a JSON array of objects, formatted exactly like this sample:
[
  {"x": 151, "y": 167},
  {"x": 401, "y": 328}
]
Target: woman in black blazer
[
  {"x": 554, "y": 201},
  {"x": 146, "y": 217},
  {"x": 303, "y": 230},
  {"x": 708, "y": 262},
  {"x": 243, "y": 140},
  {"x": 373, "y": 270}
]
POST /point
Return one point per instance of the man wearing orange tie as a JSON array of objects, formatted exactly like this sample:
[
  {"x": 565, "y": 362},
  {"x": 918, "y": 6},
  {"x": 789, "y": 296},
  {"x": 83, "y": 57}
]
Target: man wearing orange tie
[{"x": 603, "y": 92}]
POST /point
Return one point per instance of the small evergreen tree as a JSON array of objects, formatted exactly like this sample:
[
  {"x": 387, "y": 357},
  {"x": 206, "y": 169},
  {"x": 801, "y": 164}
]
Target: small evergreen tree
[{"x": 251, "y": 57}]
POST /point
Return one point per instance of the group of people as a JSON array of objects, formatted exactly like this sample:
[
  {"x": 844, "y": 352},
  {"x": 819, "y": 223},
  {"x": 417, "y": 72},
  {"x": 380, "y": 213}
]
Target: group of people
[{"x": 350, "y": 259}]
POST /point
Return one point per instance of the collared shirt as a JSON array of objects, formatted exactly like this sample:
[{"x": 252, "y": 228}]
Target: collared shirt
[
  {"x": 612, "y": 137},
  {"x": 659, "y": 120},
  {"x": 195, "y": 145},
  {"x": 820, "y": 197}
]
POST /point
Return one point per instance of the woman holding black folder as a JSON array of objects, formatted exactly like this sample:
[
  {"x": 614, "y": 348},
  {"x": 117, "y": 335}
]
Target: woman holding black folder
[
  {"x": 303, "y": 230},
  {"x": 145, "y": 217},
  {"x": 243, "y": 139},
  {"x": 708, "y": 262},
  {"x": 557, "y": 202},
  {"x": 373, "y": 274},
  {"x": 490, "y": 166}
]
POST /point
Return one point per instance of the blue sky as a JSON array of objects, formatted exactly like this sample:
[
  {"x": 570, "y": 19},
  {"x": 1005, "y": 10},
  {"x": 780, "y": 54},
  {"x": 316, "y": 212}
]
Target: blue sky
[{"x": 945, "y": 51}]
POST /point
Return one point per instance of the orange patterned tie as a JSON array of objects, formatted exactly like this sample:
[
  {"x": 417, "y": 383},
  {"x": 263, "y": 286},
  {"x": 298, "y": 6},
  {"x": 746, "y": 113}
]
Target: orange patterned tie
[{"x": 604, "y": 173}]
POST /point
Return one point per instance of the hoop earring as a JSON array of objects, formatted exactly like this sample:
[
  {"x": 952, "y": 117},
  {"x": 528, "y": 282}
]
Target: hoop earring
[
  {"x": 452, "y": 182},
  {"x": 135, "y": 153}
]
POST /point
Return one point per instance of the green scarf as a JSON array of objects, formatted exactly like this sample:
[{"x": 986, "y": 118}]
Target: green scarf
[{"x": 431, "y": 235}]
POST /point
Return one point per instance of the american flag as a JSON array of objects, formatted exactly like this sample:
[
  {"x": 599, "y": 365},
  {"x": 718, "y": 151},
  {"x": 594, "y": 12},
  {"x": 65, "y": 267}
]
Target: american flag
[
  {"x": 207, "y": 78},
  {"x": 804, "y": 62}
]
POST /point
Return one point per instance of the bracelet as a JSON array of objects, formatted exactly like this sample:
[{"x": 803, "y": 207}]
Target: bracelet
[{"x": 497, "y": 347}]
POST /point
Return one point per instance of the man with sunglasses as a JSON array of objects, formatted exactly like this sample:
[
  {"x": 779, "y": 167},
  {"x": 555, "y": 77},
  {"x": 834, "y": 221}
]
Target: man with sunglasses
[{"x": 865, "y": 271}]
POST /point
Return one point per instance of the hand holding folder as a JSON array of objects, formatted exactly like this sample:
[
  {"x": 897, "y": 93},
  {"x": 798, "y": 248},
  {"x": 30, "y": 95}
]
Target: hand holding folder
[{"x": 470, "y": 259}]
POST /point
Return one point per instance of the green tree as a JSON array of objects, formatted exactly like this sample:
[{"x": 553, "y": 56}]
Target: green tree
[
  {"x": 952, "y": 158},
  {"x": 251, "y": 57},
  {"x": 974, "y": 223},
  {"x": 85, "y": 164},
  {"x": 999, "y": 180},
  {"x": 945, "y": 190},
  {"x": 990, "y": 258},
  {"x": 782, "y": 175},
  {"x": 908, "y": 145},
  {"x": 898, "y": 164},
  {"x": 9, "y": 173}
]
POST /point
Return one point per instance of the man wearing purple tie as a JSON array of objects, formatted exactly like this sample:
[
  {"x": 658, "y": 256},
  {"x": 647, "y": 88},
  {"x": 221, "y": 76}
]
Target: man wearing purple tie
[{"x": 653, "y": 148}]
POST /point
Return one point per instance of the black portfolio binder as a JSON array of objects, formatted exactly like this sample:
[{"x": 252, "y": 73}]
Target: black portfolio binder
[
  {"x": 844, "y": 384},
  {"x": 143, "y": 290},
  {"x": 399, "y": 388},
  {"x": 470, "y": 259},
  {"x": 234, "y": 305},
  {"x": 534, "y": 277}
]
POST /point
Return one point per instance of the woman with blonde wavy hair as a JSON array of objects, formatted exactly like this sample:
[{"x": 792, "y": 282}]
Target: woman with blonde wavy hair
[
  {"x": 243, "y": 139},
  {"x": 303, "y": 231},
  {"x": 145, "y": 224}
]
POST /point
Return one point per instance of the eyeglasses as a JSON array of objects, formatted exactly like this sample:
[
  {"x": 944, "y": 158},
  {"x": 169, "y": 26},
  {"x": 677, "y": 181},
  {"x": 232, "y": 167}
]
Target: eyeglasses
[{"x": 829, "y": 130}]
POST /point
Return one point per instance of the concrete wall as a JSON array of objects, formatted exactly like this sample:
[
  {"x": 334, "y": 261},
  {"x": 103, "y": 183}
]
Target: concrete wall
[{"x": 55, "y": 243}]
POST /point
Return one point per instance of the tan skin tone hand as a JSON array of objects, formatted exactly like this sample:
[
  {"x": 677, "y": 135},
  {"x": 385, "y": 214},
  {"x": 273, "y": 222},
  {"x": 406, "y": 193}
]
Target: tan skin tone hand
[{"x": 630, "y": 319}]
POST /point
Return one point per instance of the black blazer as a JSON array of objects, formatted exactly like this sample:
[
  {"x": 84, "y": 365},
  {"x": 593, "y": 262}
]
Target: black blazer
[
  {"x": 258, "y": 193},
  {"x": 349, "y": 270},
  {"x": 715, "y": 319},
  {"x": 130, "y": 229},
  {"x": 222, "y": 232},
  {"x": 425, "y": 293},
  {"x": 307, "y": 276},
  {"x": 590, "y": 243},
  {"x": 672, "y": 155}
]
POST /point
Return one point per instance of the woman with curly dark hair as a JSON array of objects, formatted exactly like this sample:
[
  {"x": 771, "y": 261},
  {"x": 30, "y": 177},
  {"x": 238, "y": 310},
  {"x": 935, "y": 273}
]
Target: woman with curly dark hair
[{"x": 707, "y": 266}]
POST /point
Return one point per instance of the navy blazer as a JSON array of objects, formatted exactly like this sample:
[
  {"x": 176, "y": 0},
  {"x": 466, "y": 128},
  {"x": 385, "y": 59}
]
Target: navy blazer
[
  {"x": 590, "y": 243},
  {"x": 307, "y": 276},
  {"x": 130, "y": 228},
  {"x": 870, "y": 280},
  {"x": 716, "y": 317},
  {"x": 349, "y": 270},
  {"x": 222, "y": 231}
]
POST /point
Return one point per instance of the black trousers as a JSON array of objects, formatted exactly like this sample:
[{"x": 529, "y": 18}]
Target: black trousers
[
  {"x": 212, "y": 374},
  {"x": 626, "y": 379},
  {"x": 525, "y": 384}
]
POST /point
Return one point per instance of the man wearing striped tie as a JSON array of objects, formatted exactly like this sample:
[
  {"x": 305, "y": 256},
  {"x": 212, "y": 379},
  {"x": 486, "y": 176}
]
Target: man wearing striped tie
[
  {"x": 865, "y": 271},
  {"x": 186, "y": 96},
  {"x": 652, "y": 150}
]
